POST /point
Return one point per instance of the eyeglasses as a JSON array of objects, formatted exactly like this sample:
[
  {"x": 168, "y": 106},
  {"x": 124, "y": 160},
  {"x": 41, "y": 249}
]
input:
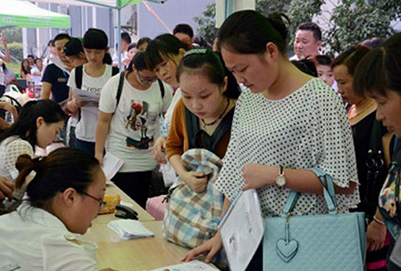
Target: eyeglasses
[
  {"x": 100, "y": 200},
  {"x": 145, "y": 80}
]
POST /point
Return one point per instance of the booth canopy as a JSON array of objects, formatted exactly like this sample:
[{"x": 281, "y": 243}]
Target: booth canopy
[{"x": 16, "y": 13}]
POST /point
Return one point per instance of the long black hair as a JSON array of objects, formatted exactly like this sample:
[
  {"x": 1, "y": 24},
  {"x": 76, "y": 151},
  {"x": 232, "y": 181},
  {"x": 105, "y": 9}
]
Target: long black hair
[
  {"x": 162, "y": 47},
  {"x": 248, "y": 32},
  {"x": 97, "y": 39},
  {"x": 380, "y": 70},
  {"x": 210, "y": 64}
]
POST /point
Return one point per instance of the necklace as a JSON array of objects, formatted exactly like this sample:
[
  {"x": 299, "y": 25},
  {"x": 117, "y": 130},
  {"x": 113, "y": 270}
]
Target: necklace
[
  {"x": 363, "y": 110},
  {"x": 220, "y": 116}
]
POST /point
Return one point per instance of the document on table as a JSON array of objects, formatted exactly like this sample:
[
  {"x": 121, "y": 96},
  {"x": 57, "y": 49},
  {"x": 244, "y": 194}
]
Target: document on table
[
  {"x": 189, "y": 266},
  {"x": 242, "y": 229},
  {"x": 111, "y": 165},
  {"x": 130, "y": 229},
  {"x": 85, "y": 96}
]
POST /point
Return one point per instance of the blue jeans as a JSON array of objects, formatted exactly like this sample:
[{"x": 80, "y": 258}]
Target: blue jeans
[{"x": 89, "y": 147}]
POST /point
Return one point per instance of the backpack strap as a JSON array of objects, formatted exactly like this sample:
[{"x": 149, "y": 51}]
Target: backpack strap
[
  {"x": 161, "y": 86},
  {"x": 120, "y": 88},
  {"x": 19, "y": 106},
  {"x": 78, "y": 76},
  {"x": 114, "y": 71}
]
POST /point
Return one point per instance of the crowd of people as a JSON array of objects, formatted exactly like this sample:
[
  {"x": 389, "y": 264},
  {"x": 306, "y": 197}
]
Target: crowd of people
[{"x": 270, "y": 118}]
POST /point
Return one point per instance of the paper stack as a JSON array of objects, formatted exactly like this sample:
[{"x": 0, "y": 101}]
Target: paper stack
[
  {"x": 189, "y": 266},
  {"x": 130, "y": 229}
]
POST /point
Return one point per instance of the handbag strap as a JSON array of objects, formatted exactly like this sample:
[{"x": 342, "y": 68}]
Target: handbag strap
[{"x": 328, "y": 192}]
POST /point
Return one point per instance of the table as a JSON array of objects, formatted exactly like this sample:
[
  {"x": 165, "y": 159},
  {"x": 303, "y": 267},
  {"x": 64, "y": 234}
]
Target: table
[{"x": 139, "y": 254}]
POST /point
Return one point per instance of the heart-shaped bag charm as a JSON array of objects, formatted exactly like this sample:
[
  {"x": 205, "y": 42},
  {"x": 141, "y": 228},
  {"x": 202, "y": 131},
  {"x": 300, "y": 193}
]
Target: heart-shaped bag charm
[{"x": 286, "y": 250}]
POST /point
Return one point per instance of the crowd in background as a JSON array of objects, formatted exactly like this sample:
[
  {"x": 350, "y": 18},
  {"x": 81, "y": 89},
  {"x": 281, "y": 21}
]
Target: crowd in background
[{"x": 242, "y": 101}]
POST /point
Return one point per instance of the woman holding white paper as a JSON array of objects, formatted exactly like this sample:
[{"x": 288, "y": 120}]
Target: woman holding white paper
[
  {"x": 285, "y": 123},
  {"x": 92, "y": 77}
]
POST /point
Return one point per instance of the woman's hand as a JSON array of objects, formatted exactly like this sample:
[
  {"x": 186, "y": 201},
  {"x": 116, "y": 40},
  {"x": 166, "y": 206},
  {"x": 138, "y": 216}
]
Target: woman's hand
[
  {"x": 211, "y": 247},
  {"x": 6, "y": 188},
  {"x": 8, "y": 107},
  {"x": 196, "y": 180},
  {"x": 375, "y": 236},
  {"x": 158, "y": 148},
  {"x": 257, "y": 175},
  {"x": 74, "y": 104},
  {"x": 99, "y": 157}
]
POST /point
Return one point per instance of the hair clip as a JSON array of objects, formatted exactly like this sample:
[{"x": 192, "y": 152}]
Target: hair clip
[{"x": 197, "y": 51}]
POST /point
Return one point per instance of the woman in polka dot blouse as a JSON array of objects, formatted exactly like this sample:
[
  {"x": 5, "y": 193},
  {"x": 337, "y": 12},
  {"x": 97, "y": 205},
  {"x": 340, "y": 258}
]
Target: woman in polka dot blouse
[{"x": 285, "y": 123}]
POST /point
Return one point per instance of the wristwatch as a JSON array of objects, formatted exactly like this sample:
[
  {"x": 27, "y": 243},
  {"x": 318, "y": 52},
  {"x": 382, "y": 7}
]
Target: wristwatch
[{"x": 280, "y": 179}]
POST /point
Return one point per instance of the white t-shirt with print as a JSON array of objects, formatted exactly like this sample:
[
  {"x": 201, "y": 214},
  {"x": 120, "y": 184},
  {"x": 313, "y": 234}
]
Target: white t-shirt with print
[
  {"x": 86, "y": 125},
  {"x": 135, "y": 124}
]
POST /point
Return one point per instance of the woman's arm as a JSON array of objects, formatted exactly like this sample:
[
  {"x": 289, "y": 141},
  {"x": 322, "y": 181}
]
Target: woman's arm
[
  {"x": 6, "y": 57},
  {"x": 376, "y": 232},
  {"x": 102, "y": 130},
  {"x": 301, "y": 180},
  {"x": 73, "y": 104}
]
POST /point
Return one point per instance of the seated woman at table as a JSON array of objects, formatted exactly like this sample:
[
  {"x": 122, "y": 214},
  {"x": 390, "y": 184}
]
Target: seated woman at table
[
  {"x": 64, "y": 197},
  {"x": 203, "y": 116},
  {"x": 38, "y": 124}
]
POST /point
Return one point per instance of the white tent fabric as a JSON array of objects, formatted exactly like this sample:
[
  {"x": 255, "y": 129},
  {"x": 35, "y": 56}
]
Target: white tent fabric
[{"x": 16, "y": 13}]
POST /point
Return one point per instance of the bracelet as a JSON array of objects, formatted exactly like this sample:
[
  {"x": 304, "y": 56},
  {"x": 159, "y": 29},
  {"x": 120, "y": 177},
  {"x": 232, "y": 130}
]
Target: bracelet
[{"x": 378, "y": 220}]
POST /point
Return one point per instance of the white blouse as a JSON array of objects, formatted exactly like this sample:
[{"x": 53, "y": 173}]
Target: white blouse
[
  {"x": 306, "y": 129},
  {"x": 10, "y": 149},
  {"x": 34, "y": 239}
]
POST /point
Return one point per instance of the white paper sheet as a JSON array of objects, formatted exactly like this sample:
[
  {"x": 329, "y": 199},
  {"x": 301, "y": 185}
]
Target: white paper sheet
[
  {"x": 111, "y": 165},
  {"x": 130, "y": 229},
  {"x": 242, "y": 229},
  {"x": 85, "y": 96},
  {"x": 189, "y": 266}
]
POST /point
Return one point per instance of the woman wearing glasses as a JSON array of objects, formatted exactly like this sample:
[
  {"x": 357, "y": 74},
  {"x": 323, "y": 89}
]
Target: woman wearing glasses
[
  {"x": 131, "y": 125},
  {"x": 63, "y": 198},
  {"x": 38, "y": 124}
]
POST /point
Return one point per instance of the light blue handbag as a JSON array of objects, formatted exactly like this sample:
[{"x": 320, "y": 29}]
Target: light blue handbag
[{"x": 326, "y": 242}]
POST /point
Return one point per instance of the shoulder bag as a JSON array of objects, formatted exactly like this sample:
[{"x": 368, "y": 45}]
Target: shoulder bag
[{"x": 331, "y": 242}]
